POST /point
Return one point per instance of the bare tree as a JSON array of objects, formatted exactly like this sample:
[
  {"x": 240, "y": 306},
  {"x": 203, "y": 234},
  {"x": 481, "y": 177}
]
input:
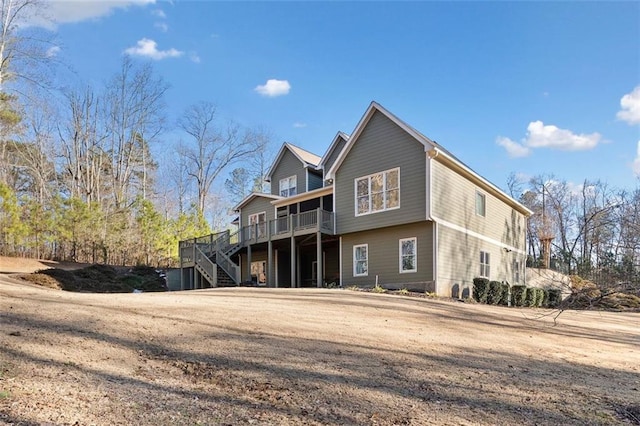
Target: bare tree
[
  {"x": 214, "y": 147},
  {"x": 83, "y": 147},
  {"x": 24, "y": 51},
  {"x": 135, "y": 117}
]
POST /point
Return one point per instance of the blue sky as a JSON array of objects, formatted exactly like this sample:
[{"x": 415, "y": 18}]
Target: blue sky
[{"x": 525, "y": 87}]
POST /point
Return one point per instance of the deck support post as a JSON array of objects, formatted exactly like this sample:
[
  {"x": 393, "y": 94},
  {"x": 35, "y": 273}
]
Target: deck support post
[
  {"x": 248, "y": 263},
  {"x": 319, "y": 265},
  {"x": 270, "y": 280},
  {"x": 293, "y": 262}
]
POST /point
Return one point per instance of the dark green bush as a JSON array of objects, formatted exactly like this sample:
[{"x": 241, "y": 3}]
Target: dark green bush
[
  {"x": 504, "y": 300},
  {"x": 480, "y": 289},
  {"x": 530, "y": 298},
  {"x": 518, "y": 295},
  {"x": 494, "y": 295},
  {"x": 540, "y": 296},
  {"x": 554, "y": 297}
]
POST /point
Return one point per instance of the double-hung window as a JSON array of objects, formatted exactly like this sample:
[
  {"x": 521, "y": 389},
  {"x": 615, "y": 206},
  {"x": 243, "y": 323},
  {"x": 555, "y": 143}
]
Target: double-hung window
[
  {"x": 378, "y": 192},
  {"x": 361, "y": 260},
  {"x": 481, "y": 204},
  {"x": 485, "y": 268},
  {"x": 288, "y": 186},
  {"x": 516, "y": 272},
  {"x": 408, "y": 255}
]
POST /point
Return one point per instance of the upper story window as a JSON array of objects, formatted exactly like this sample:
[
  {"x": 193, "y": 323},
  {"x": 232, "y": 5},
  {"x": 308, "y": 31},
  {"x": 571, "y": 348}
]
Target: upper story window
[
  {"x": 481, "y": 204},
  {"x": 288, "y": 186},
  {"x": 516, "y": 272},
  {"x": 378, "y": 192}
]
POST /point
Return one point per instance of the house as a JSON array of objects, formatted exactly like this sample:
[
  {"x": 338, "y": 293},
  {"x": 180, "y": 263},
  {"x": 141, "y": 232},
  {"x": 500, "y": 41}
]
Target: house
[{"x": 385, "y": 205}]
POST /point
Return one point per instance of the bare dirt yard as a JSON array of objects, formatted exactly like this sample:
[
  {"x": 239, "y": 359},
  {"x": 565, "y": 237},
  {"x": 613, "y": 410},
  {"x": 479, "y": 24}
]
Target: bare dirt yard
[{"x": 302, "y": 356}]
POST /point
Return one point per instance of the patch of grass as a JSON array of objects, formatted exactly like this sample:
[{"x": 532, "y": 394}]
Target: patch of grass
[
  {"x": 5, "y": 394},
  {"x": 378, "y": 289},
  {"x": 353, "y": 288},
  {"x": 432, "y": 295},
  {"x": 404, "y": 292}
]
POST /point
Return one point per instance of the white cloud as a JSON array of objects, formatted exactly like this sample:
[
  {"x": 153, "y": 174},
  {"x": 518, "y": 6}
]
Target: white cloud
[
  {"x": 636, "y": 162},
  {"x": 53, "y": 51},
  {"x": 162, "y": 26},
  {"x": 194, "y": 57},
  {"x": 159, "y": 13},
  {"x": 299, "y": 125},
  {"x": 149, "y": 48},
  {"x": 514, "y": 149},
  {"x": 540, "y": 135},
  {"x": 550, "y": 136},
  {"x": 58, "y": 12},
  {"x": 630, "y": 107},
  {"x": 274, "y": 88}
]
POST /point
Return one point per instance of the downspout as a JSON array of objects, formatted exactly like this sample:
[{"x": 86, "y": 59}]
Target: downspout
[{"x": 432, "y": 154}]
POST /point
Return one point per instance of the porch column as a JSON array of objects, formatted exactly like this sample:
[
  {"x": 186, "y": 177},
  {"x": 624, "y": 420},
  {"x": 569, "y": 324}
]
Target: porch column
[
  {"x": 298, "y": 268},
  {"x": 293, "y": 262},
  {"x": 319, "y": 266},
  {"x": 248, "y": 263},
  {"x": 270, "y": 280}
]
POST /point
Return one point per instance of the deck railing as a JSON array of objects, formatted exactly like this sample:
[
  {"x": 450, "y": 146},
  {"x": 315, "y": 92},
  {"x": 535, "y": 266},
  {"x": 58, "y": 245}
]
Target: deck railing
[{"x": 206, "y": 267}]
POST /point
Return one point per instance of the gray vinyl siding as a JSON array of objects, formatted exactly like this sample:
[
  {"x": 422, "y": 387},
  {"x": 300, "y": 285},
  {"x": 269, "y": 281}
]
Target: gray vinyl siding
[
  {"x": 381, "y": 146},
  {"x": 289, "y": 165},
  {"x": 454, "y": 200},
  {"x": 459, "y": 262},
  {"x": 315, "y": 180},
  {"x": 257, "y": 205},
  {"x": 337, "y": 149},
  {"x": 384, "y": 257}
]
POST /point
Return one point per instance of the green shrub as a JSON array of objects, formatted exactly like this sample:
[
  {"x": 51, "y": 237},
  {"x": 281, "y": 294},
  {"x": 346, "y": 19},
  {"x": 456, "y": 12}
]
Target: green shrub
[
  {"x": 530, "y": 298},
  {"x": 554, "y": 297},
  {"x": 518, "y": 295},
  {"x": 540, "y": 296},
  {"x": 378, "y": 289},
  {"x": 504, "y": 300},
  {"x": 494, "y": 295},
  {"x": 480, "y": 289}
]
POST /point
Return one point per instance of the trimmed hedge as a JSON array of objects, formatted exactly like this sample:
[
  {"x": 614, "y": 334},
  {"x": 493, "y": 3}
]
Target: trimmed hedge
[
  {"x": 480, "y": 289},
  {"x": 494, "y": 295},
  {"x": 539, "y": 297},
  {"x": 518, "y": 295},
  {"x": 530, "y": 297},
  {"x": 504, "y": 300},
  {"x": 554, "y": 297}
]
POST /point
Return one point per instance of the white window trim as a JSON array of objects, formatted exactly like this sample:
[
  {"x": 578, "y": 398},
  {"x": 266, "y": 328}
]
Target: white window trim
[
  {"x": 485, "y": 267},
  {"x": 355, "y": 191},
  {"x": 415, "y": 255},
  {"x": 355, "y": 274},
  {"x": 484, "y": 203},
  {"x": 288, "y": 180}
]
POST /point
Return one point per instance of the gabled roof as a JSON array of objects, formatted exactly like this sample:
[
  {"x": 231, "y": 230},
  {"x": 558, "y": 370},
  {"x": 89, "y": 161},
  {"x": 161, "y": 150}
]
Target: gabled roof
[
  {"x": 253, "y": 195},
  {"x": 340, "y": 136},
  {"x": 429, "y": 145},
  {"x": 373, "y": 108},
  {"x": 308, "y": 159}
]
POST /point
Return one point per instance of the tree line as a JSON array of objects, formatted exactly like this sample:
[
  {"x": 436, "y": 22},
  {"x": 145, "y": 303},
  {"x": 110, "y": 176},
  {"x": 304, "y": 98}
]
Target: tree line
[
  {"x": 81, "y": 177},
  {"x": 593, "y": 229}
]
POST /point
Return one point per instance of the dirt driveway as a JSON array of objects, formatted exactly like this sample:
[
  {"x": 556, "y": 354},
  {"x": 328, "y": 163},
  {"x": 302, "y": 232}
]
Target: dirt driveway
[{"x": 289, "y": 357}]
